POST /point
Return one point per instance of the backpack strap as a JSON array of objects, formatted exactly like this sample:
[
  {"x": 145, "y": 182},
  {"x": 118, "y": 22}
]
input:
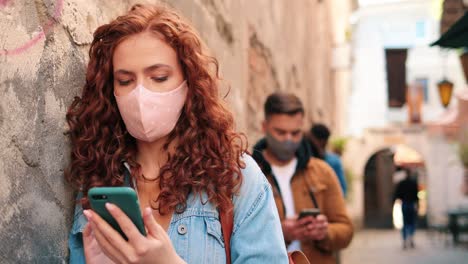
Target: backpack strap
[
  {"x": 227, "y": 225},
  {"x": 311, "y": 192}
]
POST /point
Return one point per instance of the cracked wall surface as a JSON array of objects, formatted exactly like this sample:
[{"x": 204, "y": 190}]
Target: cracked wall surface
[{"x": 262, "y": 46}]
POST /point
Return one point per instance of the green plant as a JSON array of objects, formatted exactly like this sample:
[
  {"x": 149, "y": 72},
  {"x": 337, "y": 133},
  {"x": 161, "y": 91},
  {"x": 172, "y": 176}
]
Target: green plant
[
  {"x": 349, "y": 176},
  {"x": 463, "y": 147},
  {"x": 463, "y": 153},
  {"x": 461, "y": 51},
  {"x": 338, "y": 145}
]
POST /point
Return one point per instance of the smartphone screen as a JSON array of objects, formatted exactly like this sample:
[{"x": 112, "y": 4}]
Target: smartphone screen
[
  {"x": 123, "y": 197},
  {"x": 309, "y": 212}
]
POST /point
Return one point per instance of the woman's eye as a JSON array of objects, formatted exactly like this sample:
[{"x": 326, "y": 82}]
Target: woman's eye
[
  {"x": 124, "y": 82},
  {"x": 160, "y": 79}
]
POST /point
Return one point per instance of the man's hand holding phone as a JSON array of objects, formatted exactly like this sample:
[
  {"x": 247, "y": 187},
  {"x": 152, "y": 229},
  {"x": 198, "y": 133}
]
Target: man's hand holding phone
[
  {"x": 314, "y": 212},
  {"x": 309, "y": 225},
  {"x": 313, "y": 225}
]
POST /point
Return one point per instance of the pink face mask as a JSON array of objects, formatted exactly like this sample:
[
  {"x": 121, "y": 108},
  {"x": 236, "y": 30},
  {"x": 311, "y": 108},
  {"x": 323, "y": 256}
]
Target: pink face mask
[{"x": 151, "y": 115}]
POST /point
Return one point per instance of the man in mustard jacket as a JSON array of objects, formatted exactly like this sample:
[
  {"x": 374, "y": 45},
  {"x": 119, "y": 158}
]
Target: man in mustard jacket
[{"x": 299, "y": 182}]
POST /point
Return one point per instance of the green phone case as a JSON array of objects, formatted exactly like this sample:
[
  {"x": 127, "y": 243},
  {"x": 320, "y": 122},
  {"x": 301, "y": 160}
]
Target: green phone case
[{"x": 123, "y": 197}]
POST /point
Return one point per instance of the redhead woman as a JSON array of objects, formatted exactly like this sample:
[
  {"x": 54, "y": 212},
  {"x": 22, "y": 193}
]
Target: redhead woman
[{"x": 149, "y": 117}]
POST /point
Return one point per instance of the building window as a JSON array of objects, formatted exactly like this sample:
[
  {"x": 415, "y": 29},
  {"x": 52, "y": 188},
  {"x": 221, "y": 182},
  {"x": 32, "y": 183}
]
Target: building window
[
  {"x": 396, "y": 76},
  {"x": 424, "y": 82}
]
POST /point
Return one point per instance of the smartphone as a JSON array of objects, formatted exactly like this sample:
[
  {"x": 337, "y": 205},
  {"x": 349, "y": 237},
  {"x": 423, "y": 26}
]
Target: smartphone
[
  {"x": 123, "y": 197},
  {"x": 309, "y": 212}
]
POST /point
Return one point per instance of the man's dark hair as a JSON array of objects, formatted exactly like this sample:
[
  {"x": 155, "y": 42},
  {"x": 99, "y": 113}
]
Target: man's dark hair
[
  {"x": 282, "y": 103},
  {"x": 320, "y": 131}
]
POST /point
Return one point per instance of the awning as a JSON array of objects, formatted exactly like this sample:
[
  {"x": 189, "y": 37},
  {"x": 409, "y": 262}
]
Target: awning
[
  {"x": 456, "y": 36},
  {"x": 407, "y": 157}
]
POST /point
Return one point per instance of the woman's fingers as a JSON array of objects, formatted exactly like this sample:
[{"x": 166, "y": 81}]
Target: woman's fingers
[
  {"x": 92, "y": 249},
  {"x": 153, "y": 227},
  {"x": 106, "y": 246},
  {"x": 110, "y": 240},
  {"x": 108, "y": 249},
  {"x": 89, "y": 241},
  {"x": 127, "y": 226},
  {"x": 87, "y": 232}
]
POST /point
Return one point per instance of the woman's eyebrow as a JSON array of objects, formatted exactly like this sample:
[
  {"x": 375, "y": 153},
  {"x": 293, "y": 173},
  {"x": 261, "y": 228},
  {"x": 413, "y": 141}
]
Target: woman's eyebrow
[
  {"x": 157, "y": 66},
  {"x": 122, "y": 71},
  {"x": 147, "y": 69}
]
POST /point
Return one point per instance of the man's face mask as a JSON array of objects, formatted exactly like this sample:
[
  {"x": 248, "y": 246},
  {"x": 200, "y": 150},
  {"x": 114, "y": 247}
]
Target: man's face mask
[{"x": 282, "y": 150}]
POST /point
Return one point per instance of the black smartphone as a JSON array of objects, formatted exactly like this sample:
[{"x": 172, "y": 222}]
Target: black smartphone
[
  {"x": 123, "y": 197},
  {"x": 309, "y": 212}
]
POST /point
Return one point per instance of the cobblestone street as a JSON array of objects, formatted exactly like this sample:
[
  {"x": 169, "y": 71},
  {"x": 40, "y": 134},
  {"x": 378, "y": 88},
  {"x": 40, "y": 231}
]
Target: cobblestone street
[{"x": 384, "y": 247}]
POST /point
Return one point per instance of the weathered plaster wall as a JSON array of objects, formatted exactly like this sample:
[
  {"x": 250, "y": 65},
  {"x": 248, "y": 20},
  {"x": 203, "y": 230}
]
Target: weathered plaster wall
[{"x": 262, "y": 46}]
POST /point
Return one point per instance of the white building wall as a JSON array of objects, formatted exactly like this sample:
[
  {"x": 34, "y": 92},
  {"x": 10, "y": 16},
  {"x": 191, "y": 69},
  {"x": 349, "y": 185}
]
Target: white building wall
[
  {"x": 411, "y": 24},
  {"x": 368, "y": 95},
  {"x": 407, "y": 24},
  {"x": 445, "y": 176}
]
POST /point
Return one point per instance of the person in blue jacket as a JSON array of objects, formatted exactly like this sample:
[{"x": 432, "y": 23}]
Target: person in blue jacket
[{"x": 319, "y": 136}]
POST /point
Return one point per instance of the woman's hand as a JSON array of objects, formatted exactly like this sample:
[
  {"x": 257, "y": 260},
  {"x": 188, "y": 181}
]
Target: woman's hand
[
  {"x": 155, "y": 248},
  {"x": 92, "y": 250}
]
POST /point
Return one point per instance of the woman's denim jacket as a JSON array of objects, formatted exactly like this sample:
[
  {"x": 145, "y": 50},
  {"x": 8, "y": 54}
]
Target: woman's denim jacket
[{"x": 196, "y": 233}]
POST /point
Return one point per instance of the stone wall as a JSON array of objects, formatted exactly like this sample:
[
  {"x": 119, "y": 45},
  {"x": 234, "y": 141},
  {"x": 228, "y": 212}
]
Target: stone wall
[{"x": 262, "y": 46}]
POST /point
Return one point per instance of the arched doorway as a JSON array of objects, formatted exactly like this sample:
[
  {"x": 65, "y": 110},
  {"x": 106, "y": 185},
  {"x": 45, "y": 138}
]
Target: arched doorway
[
  {"x": 380, "y": 179},
  {"x": 378, "y": 189}
]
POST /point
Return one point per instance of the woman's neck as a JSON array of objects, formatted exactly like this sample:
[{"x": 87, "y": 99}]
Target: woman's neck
[{"x": 151, "y": 156}]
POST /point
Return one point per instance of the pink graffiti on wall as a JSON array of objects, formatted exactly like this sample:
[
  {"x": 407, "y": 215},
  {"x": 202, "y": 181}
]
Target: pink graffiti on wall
[
  {"x": 3, "y": 3},
  {"x": 45, "y": 28}
]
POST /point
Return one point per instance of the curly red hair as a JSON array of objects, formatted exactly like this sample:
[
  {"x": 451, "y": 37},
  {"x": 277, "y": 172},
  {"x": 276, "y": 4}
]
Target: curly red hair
[{"x": 207, "y": 157}]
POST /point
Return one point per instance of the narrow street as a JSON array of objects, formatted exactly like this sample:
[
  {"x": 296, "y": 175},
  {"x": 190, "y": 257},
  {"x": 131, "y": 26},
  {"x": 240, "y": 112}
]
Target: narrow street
[{"x": 384, "y": 247}]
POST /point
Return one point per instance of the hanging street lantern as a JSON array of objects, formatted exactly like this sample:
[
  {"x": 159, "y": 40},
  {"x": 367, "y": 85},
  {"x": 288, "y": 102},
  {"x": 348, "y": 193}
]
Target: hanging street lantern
[{"x": 445, "y": 91}]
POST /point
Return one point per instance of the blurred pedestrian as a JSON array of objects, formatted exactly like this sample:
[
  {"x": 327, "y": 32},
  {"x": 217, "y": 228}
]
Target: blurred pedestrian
[
  {"x": 319, "y": 135},
  {"x": 407, "y": 191}
]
